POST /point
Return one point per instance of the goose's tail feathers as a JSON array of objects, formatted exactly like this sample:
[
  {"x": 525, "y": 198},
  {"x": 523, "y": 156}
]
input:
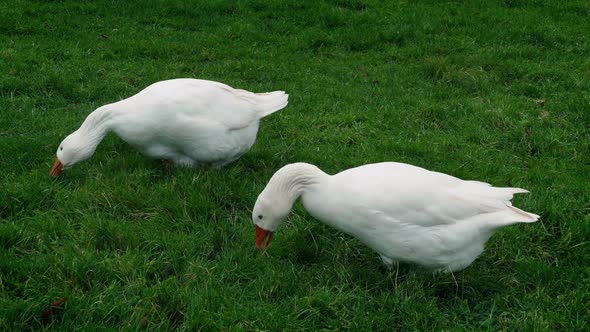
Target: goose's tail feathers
[
  {"x": 494, "y": 204},
  {"x": 509, "y": 214},
  {"x": 519, "y": 215},
  {"x": 271, "y": 102}
]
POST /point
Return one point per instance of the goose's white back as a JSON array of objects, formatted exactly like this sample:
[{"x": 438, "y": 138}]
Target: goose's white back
[{"x": 407, "y": 213}]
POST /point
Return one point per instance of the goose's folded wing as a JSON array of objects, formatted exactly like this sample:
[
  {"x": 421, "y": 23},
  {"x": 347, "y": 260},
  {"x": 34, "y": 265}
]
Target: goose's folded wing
[
  {"x": 234, "y": 109},
  {"x": 461, "y": 201},
  {"x": 198, "y": 100}
]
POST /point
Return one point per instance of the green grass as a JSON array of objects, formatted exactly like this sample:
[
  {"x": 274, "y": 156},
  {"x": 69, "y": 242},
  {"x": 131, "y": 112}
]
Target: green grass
[{"x": 450, "y": 86}]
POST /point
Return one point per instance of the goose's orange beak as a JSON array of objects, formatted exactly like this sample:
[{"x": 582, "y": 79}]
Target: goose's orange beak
[
  {"x": 57, "y": 168},
  {"x": 263, "y": 238}
]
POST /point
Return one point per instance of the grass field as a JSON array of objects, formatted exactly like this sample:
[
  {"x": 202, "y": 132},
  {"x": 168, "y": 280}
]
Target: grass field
[{"x": 496, "y": 91}]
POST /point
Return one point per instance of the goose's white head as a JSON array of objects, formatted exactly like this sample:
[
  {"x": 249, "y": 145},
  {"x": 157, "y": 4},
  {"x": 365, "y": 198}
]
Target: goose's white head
[
  {"x": 276, "y": 200},
  {"x": 268, "y": 214},
  {"x": 72, "y": 150}
]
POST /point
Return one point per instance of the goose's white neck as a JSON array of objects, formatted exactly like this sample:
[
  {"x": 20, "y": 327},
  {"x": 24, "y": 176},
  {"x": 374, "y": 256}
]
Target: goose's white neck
[
  {"x": 293, "y": 180},
  {"x": 96, "y": 126}
]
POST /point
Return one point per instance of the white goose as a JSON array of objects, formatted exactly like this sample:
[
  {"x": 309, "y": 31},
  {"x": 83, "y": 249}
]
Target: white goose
[
  {"x": 403, "y": 212},
  {"x": 188, "y": 121}
]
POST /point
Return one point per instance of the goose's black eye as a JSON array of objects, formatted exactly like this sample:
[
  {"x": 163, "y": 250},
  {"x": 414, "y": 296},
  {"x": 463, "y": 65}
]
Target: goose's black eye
[
  {"x": 259, "y": 216},
  {"x": 61, "y": 148}
]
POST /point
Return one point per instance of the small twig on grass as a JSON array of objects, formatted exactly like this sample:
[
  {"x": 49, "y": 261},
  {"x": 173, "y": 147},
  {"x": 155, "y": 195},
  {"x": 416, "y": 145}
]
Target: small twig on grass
[{"x": 54, "y": 308}]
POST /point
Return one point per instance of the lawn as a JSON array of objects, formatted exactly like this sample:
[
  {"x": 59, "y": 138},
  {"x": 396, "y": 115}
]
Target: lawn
[{"x": 496, "y": 91}]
